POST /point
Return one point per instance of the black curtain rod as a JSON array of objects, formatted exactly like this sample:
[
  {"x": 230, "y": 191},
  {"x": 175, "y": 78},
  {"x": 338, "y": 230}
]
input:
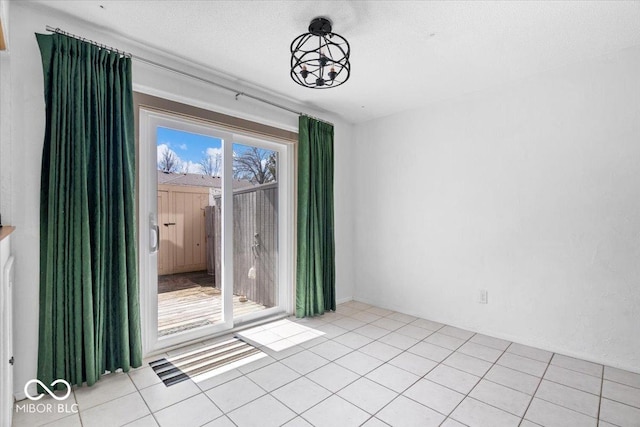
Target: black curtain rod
[{"x": 184, "y": 73}]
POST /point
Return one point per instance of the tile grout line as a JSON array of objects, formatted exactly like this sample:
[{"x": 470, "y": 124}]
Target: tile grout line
[
  {"x": 215, "y": 404},
  {"x": 360, "y": 376},
  {"x": 468, "y": 395},
  {"x": 517, "y": 354},
  {"x": 576, "y": 371},
  {"x": 542, "y": 378},
  {"x": 600, "y": 399},
  {"x": 619, "y": 383},
  {"x": 481, "y": 378},
  {"x": 352, "y": 350},
  {"x": 569, "y": 386},
  {"x": 533, "y": 396},
  {"x": 267, "y": 393},
  {"x": 597, "y": 418},
  {"x": 153, "y": 414},
  {"x": 79, "y": 411},
  {"x": 387, "y": 362},
  {"x": 141, "y": 397},
  {"x": 423, "y": 377},
  {"x": 564, "y": 407},
  {"x": 448, "y": 416},
  {"x": 310, "y": 379},
  {"x": 103, "y": 403},
  {"x": 438, "y": 363},
  {"x": 618, "y": 402},
  {"x": 348, "y": 384},
  {"x": 137, "y": 391}
]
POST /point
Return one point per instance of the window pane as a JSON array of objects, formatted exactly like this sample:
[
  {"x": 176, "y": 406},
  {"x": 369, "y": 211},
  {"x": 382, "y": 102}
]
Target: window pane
[
  {"x": 189, "y": 167},
  {"x": 255, "y": 229}
]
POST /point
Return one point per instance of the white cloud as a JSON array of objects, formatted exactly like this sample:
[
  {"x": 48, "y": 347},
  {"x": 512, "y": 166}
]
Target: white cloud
[
  {"x": 185, "y": 166},
  {"x": 191, "y": 167},
  {"x": 214, "y": 151},
  {"x": 161, "y": 150},
  {"x": 183, "y": 146},
  {"x": 166, "y": 147}
]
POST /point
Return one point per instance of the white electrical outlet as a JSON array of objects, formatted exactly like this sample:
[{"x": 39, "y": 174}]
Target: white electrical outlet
[{"x": 483, "y": 296}]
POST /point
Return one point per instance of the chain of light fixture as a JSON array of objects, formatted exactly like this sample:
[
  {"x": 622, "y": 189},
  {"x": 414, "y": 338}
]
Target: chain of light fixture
[{"x": 320, "y": 58}]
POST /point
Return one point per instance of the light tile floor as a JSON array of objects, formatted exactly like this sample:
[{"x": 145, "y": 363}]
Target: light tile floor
[{"x": 368, "y": 366}]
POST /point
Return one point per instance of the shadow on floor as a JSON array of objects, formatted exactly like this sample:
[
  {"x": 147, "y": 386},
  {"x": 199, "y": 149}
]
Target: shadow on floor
[{"x": 179, "y": 281}]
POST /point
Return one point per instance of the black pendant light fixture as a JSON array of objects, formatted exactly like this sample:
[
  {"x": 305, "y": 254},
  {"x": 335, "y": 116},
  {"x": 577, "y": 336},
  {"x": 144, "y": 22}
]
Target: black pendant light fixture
[{"x": 320, "y": 58}]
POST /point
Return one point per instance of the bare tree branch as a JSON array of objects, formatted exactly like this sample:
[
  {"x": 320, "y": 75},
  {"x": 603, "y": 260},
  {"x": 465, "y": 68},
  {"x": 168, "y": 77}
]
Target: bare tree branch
[
  {"x": 169, "y": 162},
  {"x": 210, "y": 164},
  {"x": 255, "y": 165}
]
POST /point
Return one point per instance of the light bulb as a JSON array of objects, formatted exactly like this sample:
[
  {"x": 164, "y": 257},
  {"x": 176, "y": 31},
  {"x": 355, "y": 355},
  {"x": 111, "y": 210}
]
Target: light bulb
[{"x": 303, "y": 72}]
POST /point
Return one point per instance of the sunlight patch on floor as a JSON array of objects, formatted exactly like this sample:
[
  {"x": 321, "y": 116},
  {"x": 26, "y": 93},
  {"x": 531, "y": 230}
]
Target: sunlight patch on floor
[{"x": 279, "y": 335}]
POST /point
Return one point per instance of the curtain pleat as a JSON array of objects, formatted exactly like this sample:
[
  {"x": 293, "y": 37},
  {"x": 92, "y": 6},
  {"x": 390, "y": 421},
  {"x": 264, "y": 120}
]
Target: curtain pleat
[
  {"x": 315, "y": 281},
  {"x": 89, "y": 301}
]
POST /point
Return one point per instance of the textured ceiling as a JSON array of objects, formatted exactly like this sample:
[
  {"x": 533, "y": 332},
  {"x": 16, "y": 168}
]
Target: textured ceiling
[{"x": 405, "y": 54}]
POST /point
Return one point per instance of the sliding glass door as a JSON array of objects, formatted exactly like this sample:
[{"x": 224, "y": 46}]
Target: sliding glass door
[{"x": 214, "y": 210}]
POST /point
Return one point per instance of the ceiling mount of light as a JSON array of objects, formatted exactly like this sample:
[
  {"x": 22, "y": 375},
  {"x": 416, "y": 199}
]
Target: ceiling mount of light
[{"x": 320, "y": 58}]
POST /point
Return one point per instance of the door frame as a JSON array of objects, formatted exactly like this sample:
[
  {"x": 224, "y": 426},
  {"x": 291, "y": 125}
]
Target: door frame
[{"x": 149, "y": 120}]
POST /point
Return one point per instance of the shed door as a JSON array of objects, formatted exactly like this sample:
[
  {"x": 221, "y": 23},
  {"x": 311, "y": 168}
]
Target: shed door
[{"x": 182, "y": 229}]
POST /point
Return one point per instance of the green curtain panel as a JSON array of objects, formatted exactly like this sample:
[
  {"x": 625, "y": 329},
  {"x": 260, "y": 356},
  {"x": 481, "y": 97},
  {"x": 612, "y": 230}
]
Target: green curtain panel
[
  {"x": 89, "y": 301},
  {"x": 315, "y": 282}
]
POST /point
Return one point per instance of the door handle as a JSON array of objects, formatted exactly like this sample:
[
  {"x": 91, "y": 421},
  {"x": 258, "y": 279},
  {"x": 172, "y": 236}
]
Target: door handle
[
  {"x": 166, "y": 224},
  {"x": 155, "y": 239},
  {"x": 154, "y": 235}
]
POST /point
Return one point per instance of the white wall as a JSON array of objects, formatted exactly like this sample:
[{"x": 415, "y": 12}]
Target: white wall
[
  {"x": 5, "y": 111},
  {"x": 531, "y": 191},
  {"x": 25, "y": 148}
]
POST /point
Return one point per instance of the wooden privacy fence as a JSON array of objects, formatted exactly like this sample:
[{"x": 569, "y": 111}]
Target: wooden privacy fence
[{"x": 255, "y": 238}]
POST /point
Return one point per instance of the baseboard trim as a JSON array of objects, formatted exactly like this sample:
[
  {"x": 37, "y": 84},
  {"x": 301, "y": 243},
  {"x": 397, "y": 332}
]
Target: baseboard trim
[
  {"x": 514, "y": 339},
  {"x": 21, "y": 395},
  {"x": 343, "y": 300}
]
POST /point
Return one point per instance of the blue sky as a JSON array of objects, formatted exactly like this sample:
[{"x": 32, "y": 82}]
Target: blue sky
[{"x": 190, "y": 148}]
